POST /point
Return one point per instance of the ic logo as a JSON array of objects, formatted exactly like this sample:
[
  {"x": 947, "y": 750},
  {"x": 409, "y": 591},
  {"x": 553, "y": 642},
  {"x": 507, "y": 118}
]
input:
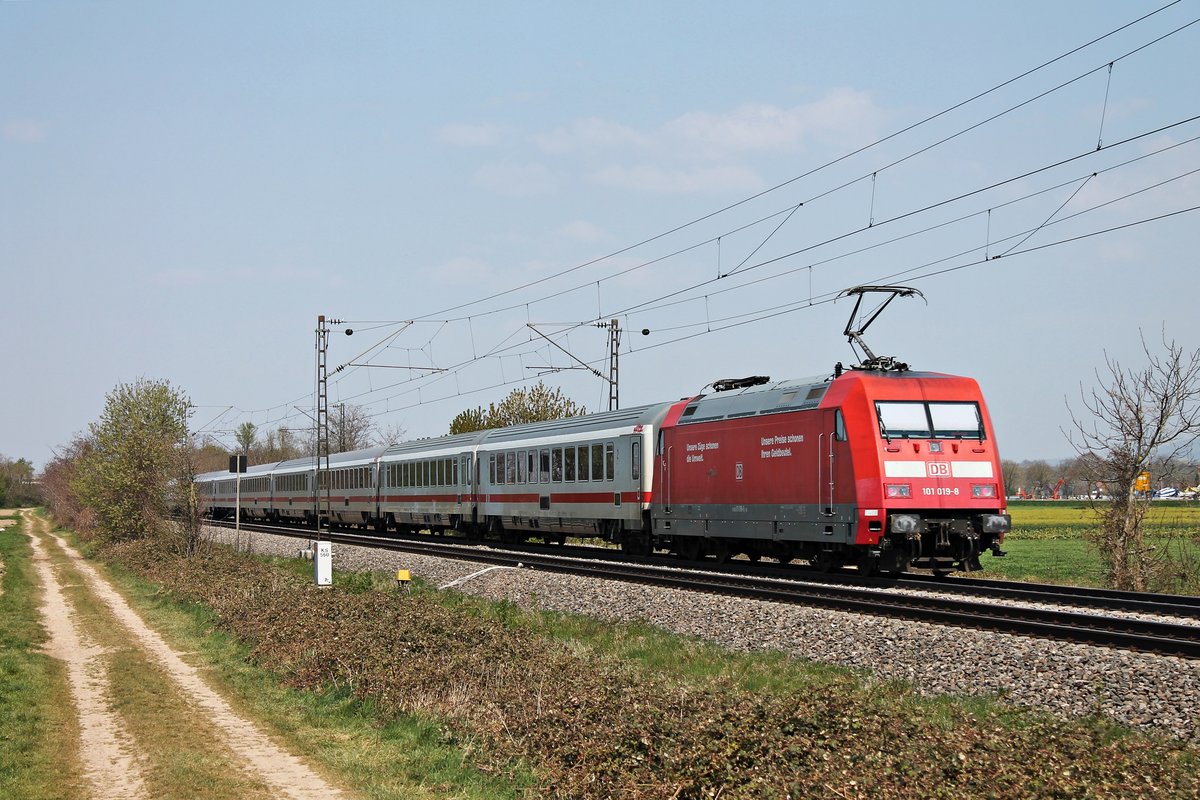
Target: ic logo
[{"x": 938, "y": 469}]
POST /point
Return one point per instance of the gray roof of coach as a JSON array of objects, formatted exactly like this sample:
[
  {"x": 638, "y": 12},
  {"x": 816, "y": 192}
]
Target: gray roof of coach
[
  {"x": 643, "y": 415},
  {"x": 435, "y": 443},
  {"x": 350, "y": 456}
]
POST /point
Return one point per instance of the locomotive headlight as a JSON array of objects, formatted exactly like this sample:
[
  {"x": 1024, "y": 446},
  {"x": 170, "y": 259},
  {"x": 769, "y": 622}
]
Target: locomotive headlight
[
  {"x": 895, "y": 490},
  {"x": 983, "y": 490}
]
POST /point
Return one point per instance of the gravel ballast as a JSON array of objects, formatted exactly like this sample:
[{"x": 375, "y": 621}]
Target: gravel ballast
[{"x": 1147, "y": 691}]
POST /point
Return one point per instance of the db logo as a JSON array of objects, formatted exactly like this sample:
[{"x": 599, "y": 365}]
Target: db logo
[{"x": 938, "y": 469}]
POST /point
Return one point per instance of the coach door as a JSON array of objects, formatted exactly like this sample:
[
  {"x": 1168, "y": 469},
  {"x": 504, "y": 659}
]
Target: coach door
[
  {"x": 664, "y": 466},
  {"x": 833, "y": 461}
]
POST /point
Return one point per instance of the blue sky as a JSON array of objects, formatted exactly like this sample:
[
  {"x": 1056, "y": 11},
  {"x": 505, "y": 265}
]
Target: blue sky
[{"x": 185, "y": 186}]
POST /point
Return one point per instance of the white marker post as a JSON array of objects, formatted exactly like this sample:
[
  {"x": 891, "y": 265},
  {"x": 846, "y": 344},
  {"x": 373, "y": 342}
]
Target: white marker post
[{"x": 323, "y": 563}]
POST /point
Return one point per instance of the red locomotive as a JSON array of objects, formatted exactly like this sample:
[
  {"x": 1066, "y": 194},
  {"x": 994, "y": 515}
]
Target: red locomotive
[
  {"x": 883, "y": 469},
  {"x": 878, "y": 466}
]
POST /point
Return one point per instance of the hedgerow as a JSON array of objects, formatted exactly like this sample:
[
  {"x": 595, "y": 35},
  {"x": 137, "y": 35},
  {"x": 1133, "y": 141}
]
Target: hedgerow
[{"x": 594, "y": 726}]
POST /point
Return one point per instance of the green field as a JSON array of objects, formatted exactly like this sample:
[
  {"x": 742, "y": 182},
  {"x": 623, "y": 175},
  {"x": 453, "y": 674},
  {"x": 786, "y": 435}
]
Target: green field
[{"x": 1048, "y": 542}]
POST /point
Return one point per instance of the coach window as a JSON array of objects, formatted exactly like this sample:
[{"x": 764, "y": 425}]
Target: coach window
[
  {"x": 522, "y": 467},
  {"x": 492, "y": 468},
  {"x": 544, "y": 469},
  {"x": 636, "y": 461},
  {"x": 533, "y": 466},
  {"x": 597, "y": 462},
  {"x": 569, "y": 464},
  {"x": 584, "y": 471},
  {"x": 610, "y": 461},
  {"x": 510, "y": 467},
  {"x": 556, "y": 466},
  {"x": 839, "y": 426}
]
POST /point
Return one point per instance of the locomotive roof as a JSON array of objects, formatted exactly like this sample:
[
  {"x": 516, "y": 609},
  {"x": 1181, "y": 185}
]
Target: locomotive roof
[{"x": 774, "y": 398}]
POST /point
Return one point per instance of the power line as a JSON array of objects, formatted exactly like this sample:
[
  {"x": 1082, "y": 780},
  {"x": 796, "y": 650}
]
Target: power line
[{"x": 819, "y": 168}]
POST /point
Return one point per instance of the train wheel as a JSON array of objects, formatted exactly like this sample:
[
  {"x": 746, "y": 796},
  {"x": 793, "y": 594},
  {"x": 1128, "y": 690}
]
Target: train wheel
[
  {"x": 868, "y": 565},
  {"x": 828, "y": 561},
  {"x": 720, "y": 551},
  {"x": 689, "y": 548},
  {"x": 635, "y": 543}
]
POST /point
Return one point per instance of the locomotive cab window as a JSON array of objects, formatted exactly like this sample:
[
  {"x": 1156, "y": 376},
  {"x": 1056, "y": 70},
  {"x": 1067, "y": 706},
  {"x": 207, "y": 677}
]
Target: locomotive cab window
[
  {"x": 956, "y": 421},
  {"x": 916, "y": 420}
]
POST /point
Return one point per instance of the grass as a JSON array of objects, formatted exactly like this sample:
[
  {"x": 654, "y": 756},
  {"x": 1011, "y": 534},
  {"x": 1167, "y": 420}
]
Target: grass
[
  {"x": 38, "y": 733},
  {"x": 1063, "y": 561},
  {"x": 340, "y": 736},
  {"x": 672, "y": 711},
  {"x": 380, "y": 758},
  {"x": 183, "y": 755},
  {"x": 1048, "y": 541},
  {"x": 1082, "y": 515}
]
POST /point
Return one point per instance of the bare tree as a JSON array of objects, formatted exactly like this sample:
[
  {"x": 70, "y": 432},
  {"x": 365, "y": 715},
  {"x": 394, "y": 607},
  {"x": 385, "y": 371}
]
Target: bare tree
[
  {"x": 1013, "y": 475},
  {"x": 390, "y": 435},
  {"x": 1134, "y": 417},
  {"x": 280, "y": 444},
  {"x": 350, "y": 428},
  {"x": 1040, "y": 476},
  {"x": 184, "y": 498}
]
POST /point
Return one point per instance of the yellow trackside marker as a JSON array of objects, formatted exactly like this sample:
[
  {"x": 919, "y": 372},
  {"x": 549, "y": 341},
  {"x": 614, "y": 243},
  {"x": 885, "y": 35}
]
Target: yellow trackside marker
[{"x": 403, "y": 578}]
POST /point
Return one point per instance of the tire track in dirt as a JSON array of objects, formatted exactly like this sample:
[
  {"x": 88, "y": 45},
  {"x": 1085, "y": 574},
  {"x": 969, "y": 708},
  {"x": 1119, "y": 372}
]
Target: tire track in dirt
[
  {"x": 286, "y": 774},
  {"x": 107, "y": 750}
]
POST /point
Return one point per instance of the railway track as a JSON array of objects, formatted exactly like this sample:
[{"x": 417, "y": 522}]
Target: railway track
[{"x": 976, "y": 606}]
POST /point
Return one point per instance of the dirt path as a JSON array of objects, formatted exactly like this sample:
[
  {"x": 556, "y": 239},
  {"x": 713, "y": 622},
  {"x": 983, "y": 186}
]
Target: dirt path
[
  {"x": 107, "y": 749},
  {"x": 110, "y": 754}
]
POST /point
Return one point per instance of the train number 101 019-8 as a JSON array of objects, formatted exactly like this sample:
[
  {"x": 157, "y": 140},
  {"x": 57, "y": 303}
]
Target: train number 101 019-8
[{"x": 939, "y": 491}]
